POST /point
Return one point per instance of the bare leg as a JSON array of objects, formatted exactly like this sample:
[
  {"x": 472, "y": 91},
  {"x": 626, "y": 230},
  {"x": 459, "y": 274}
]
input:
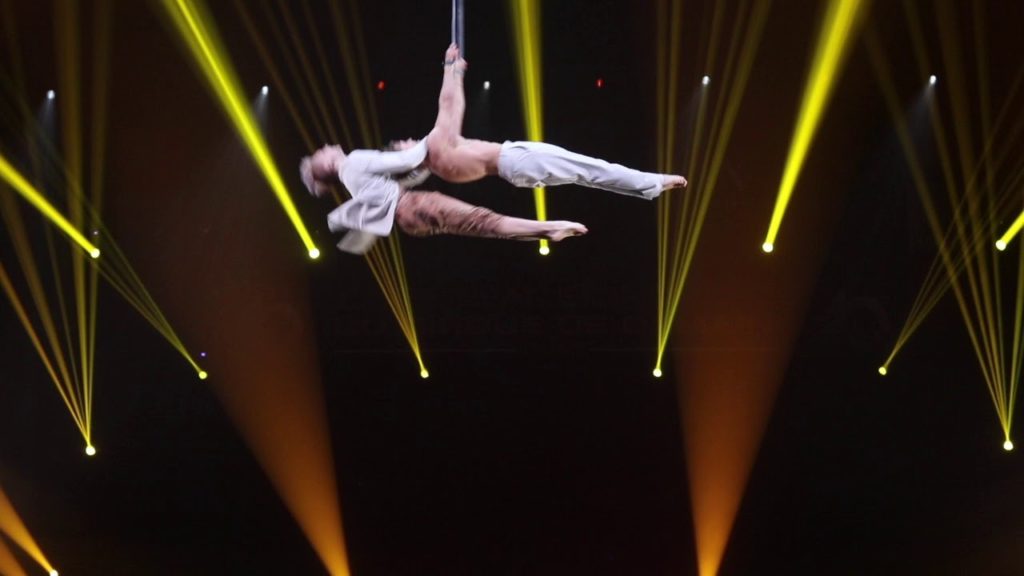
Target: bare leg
[{"x": 431, "y": 213}]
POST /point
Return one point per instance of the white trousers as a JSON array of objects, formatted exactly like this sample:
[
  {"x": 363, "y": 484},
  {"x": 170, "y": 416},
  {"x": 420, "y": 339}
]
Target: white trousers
[{"x": 533, "y": 164}]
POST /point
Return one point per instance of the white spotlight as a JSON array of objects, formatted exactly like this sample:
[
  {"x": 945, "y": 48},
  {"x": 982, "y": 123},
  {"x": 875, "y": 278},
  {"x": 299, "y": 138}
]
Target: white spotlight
[
  {"x": 705, "y": 80},
  {"x": 932, "y": 80},
  {"x": 265, "y": 90},
  {"x": 487, "y": 84},
  {"x": 50, "y": 94}
]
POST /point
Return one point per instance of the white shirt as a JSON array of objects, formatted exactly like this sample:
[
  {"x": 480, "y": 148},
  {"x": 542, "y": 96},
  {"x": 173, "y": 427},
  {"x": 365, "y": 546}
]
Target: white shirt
[{"x": 369, "y": 176}]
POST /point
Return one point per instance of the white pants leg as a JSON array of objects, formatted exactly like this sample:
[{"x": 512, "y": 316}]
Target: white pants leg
[{"x": 533, "y": 164}]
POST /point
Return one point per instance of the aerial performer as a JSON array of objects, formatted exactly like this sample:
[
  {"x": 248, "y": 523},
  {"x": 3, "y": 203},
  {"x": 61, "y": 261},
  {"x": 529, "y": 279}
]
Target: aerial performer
[{"x": 382, "y": 183}]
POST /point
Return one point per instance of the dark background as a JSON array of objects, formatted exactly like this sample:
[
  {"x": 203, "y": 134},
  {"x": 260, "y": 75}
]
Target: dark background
[{"x": 541, "y": 444}]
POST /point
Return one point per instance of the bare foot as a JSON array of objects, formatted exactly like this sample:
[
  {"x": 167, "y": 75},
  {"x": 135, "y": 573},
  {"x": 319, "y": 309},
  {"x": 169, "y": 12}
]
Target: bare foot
[
  {"x": 561, "y": 229},
  {"x": 669, "y": 181}
]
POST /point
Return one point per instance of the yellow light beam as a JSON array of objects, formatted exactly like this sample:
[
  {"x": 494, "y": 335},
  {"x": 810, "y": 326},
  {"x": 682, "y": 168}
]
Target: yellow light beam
[
  {"x": 215, "y": 65},
  {"x": 1010, "y": 233},
  {"x": 841, "y": 19},
  {"x": 36, "y": 199},
  {"x": 739, "y": 63},
  {"x": 12, "y": 525},
  {"x": 19, "y": 309},
  {"x": 526, "y": 21}
]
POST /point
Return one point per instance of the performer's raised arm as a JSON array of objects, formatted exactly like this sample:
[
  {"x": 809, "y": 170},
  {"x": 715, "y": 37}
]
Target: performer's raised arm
[{"x": 451, "y": 104}]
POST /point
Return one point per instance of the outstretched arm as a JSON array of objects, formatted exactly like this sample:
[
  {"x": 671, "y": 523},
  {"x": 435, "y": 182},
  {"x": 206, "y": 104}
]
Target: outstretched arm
[{"x": 451, "y": 105}]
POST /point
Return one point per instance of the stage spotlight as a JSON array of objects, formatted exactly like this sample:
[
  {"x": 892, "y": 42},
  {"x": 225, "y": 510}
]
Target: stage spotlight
[
  {"x": 767, "y": 247},
  {"x": 424, "y": 374},
  {"x": 487, "y": 84},
  {"x": 381, "y": 86},
  {"x": 657, "y": 372},
  {"x": 314, "y": 253},
  {"x": 203, "y": 375},
  {"x": 1000, "y": 245},
  {"x": 90, "y": 450},
  {"x": 1008, "y": 446},
  {"x": 265, "y": 90},
  {"x": 599, "y": 83},
  {"x": 54, "y": 573},
  {"x": 705, "y": 80},
  {"x": 95, "y": 253},
  {"x": 544, "y": 250},
  {"x": 50, "y": 94},
  {"x": 883, "y": 370},
  {"x": 932, "y": 80}
]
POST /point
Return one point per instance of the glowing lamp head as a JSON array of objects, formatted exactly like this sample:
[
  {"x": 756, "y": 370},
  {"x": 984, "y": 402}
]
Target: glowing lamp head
[
  {"x": 599, "y": 83},
  {"x": 265, "y": 90},
  {"x": 883, "y": 370},
  {"x": 50, "y": 94},
  {"x": 314, "y": 253},
  {"x": 1000, "y": 245},
  {"x": 544, "y": 250},
  {"x": 203, "y": 375},
  {"x": 487, "y": 84},
  {"x": 1008, "y": 445},
  {"x": 768, "y": 247},
  {"x": 657, "y": 372},
  {"x": 381, "y": 85},
  {"x": 932, "y": 80},
  {"x": 424, "y": 374},
  {"x": 90, "y": 450},
  {"x": 94, "y": 253},
  {"x": 705, "y": 81},
  {"x": 54, "y": 573}
]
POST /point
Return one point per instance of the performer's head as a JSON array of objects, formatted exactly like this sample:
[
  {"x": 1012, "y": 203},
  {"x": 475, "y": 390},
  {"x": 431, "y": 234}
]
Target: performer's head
[{"x": 322, "y": 169}]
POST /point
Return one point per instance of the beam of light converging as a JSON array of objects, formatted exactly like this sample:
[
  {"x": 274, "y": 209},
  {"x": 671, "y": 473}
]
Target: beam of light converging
[
  {"x": 197, "y": 30},
  {"x": 36, "y": 199},
  {"x": 385, "y": 259},
  {"x": 69, "y": 360},
  {"x": 12, "y": 525},
  {"x": 717, "y": 482},
  {"x": 681, "y": 216},
  {"x": 842, "y": 18},
  {"x": 977, "y": 187},
  {"x": 526, "y": 24}
]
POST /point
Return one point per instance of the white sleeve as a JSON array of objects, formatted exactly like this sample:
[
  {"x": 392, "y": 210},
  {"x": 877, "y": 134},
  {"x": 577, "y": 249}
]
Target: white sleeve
[{"x": 400, "y": 161}]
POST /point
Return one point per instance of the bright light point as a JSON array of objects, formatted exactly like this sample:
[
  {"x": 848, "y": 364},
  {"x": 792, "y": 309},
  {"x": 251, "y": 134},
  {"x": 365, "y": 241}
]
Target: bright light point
[
  {"x": 95, "y": 253},
  {"x": 705, "y": 80},
  {"x": 50, "y": 94},
  {"x": 1008, "y": 446},
  {"x": 265, "y": 90},
  {"x": 424, "y": 374},
  {"x": 657, "y": 372},
  {"x": 54, "y": 573},
  {"x": 487, "y": 84},
  {"x": 883, "y": 370},
  {"x": 1000, "y": 245},
  {"x": 202, "y": 354},
  {"x": 544, "y": 250},
  {"x": 90, "y": 450},
  {"x": 203, "y": 375},
  {"x": 767, "y": 247},
  {"x": 599, "y": 83},
  {"x": 381, "y": 85},
  {"x": 314, "y": 253},
  {"x": 932, "y": 80}
]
